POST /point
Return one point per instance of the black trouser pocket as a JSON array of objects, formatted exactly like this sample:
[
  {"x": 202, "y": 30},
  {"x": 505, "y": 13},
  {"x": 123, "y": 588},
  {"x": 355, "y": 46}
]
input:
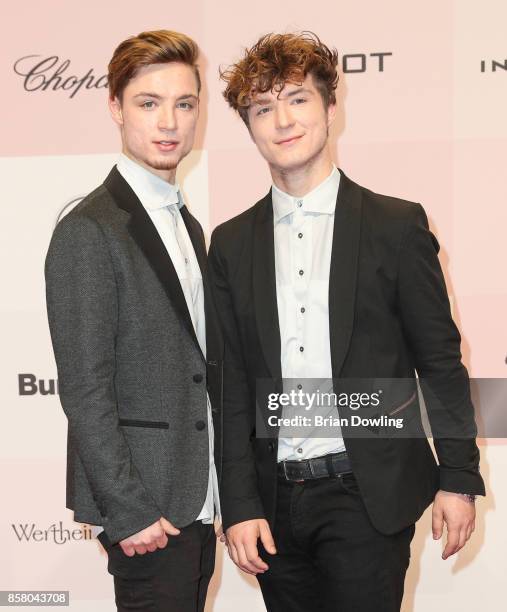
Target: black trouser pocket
[{"x": 349, "y": 483}]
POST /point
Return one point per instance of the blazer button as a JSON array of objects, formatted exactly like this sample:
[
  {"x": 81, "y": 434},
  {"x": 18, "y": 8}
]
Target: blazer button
[
  {"x": 197, "y": 378},
  {"x": 200, "y": 425},
  {"x": 271, "y": 446}
]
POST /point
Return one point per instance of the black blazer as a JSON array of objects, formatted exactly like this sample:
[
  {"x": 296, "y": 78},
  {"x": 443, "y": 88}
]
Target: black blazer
[{"x": 389, "y": 316}]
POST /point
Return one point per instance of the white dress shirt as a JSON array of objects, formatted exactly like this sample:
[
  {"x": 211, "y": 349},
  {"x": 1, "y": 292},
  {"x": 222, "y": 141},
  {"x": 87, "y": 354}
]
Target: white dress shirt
[
  {"x": 162, "y": 202},
  {"x": 303, "y": 232}
]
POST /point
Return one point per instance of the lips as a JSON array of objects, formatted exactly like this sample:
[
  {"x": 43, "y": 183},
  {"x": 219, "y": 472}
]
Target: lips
[
  {"x": 289, "y": 141},
  {"x": 166, "y": 145}
]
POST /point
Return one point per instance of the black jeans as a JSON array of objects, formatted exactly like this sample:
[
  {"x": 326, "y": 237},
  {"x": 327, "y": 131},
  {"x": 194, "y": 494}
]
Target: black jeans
[
  {"x": 329, "y": 557},
  {"x": 172, "y": 579}
]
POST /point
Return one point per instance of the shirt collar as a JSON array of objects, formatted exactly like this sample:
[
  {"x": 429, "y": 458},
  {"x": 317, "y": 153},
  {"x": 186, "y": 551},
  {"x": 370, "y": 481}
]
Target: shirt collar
[
  {"x": 152, "y": 191},
  {"x": 321, "y": 199}
]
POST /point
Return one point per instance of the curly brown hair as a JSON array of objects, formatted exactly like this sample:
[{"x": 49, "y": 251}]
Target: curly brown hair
[
  {"x": 154, "y": 47},
  {"x": 276, "y": 59}
]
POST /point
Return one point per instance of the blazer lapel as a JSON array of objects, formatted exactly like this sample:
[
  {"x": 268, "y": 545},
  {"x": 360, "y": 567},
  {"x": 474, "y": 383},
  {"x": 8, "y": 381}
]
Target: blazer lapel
[
  {"x": 343, "y": 272},
  {"x": 148, "y": 239},
  {"x": 196, "y": 237},
  {"x": 264, "y": 288},
  {"x": 213, "y": 334}
]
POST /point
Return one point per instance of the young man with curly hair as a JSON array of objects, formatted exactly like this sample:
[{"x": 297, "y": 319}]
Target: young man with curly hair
[{"x": 324, "y": 279}]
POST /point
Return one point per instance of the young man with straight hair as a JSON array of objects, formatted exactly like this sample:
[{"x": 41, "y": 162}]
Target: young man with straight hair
[
  {"x": 137, "y": 343},
  {"x": 322, "y": 279}
]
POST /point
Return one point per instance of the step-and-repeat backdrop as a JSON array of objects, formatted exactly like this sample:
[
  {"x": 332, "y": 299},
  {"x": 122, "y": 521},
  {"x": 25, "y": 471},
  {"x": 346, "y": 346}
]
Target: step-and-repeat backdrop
[{"x": 422, "y": 99}]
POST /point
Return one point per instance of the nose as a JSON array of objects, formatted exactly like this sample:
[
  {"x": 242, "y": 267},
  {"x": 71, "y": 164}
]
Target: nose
[
  {"x": 283, "y": 116},
  {"x": 167, "y": 119}
]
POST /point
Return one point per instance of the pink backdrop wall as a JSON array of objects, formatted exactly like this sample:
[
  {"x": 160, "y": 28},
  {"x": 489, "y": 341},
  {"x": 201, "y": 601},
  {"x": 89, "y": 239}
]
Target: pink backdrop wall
[{"x": 429, "y": 126}]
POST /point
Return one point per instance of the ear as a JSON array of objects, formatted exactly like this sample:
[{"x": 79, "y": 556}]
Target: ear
[
  {"x": 331, "y": 113},
  {"x": 115, "y": 109}
]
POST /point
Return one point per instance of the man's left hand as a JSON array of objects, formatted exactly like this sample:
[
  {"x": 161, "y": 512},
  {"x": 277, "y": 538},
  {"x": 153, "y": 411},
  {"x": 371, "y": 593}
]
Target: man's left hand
[{"x": 459, "y": 515}]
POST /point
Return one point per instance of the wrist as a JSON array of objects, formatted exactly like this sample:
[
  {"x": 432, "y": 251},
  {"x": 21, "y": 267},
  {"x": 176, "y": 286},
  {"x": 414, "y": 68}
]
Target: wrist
[{"x": 468, "y": 496}]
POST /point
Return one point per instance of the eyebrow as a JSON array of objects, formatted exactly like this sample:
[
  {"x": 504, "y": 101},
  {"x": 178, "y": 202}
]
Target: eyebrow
[
  {"x": 144, "y": 94},
  {"x": 297, "y": 91},
  {"x": 261, "y": 101}
]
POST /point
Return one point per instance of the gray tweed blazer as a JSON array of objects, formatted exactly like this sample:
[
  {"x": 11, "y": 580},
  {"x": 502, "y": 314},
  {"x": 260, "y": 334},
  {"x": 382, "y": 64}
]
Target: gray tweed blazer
[{"x": 132, "y": 377}]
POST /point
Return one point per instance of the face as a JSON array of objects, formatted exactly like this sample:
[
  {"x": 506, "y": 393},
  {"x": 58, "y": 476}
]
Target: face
[
  {"x": 158, "y": 116},
  {"x": 290, "y": 129}
]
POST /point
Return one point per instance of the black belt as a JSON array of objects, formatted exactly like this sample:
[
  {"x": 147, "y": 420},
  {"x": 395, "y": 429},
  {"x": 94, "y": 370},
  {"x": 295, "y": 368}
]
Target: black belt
[{"x": 328, "y": 466}]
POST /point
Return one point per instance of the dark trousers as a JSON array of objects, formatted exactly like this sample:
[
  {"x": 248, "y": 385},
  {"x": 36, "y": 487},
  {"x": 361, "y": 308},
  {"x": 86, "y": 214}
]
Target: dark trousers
[
  {"x": 330, "y": 558},
  {"x": 172, "y": 579}
]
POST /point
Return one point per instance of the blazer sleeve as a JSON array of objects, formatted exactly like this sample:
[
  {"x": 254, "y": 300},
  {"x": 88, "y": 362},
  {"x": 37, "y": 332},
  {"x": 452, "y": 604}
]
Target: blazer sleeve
[
  {"x": 82, "y": 308},
  {"x": 239, "y": 494},
  {"x": 435, "y": 343}
]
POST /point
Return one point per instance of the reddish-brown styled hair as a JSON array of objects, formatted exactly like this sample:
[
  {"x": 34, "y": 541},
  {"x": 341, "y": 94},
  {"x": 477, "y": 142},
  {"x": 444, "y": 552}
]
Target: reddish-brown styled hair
[
  {"x": 277, "y": 59},
  {"x": 155, "y": 47}
]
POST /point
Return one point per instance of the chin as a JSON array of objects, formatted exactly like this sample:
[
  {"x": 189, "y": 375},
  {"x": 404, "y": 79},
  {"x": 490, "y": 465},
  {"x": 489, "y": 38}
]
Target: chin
[
  {"x": 294, "y": 163},
  {"x": 163, "y": 164}
]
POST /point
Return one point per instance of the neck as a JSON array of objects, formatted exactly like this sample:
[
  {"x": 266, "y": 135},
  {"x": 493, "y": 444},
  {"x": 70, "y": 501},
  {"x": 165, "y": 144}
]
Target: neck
[
  {"x": 299, "y": 181},
  {"x": 168, "y": 175}
]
